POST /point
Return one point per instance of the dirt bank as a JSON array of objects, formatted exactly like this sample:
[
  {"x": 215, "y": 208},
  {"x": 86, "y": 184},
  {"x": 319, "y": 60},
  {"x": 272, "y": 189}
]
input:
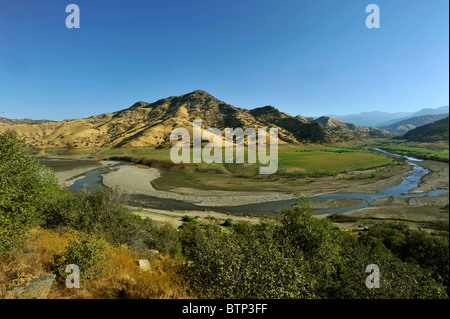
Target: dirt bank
[
  {"x": 135, "y": 180},
  {"x": 436, "y": 179},
  {"x": 335, "y": 203},
  {"x": 175, "y": 217}
]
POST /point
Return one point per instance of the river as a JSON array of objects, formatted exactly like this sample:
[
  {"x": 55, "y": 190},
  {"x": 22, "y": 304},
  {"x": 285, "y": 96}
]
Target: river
[{"x": 93, "y": 179}]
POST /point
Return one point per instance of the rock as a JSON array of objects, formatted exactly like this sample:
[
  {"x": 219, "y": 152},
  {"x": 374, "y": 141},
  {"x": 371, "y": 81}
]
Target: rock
[
  {"x": 37, "y": 288},
  {"x": 154, "y": 252},
  {"x": 144, "y": 264}
]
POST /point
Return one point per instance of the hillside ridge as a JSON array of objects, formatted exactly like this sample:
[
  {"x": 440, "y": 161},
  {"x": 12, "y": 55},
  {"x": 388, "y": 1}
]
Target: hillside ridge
[{"x": 146, "y": 124}]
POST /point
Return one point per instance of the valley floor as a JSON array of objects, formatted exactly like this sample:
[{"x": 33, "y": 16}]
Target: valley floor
[{"x": 134, "y": 178}]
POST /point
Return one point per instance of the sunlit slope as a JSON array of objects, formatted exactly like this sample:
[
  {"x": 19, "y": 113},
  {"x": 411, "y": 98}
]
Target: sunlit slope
[{"x": 150, "y": 125}]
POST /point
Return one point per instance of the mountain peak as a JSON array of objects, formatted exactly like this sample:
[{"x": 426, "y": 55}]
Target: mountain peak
[
  {"x": 265, "y": 110},
  {"x": 140, "y": 104},
  {"x": 200, "y": 93}
]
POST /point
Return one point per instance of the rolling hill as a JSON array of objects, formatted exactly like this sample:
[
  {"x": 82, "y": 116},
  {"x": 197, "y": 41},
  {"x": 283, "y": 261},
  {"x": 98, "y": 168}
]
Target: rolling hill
[
  {"x": 351, "y": 131},
  {"x": 436, "y": 131},
  {"x": 8, "y": 122},
  {"x": 150, "y": 124}
]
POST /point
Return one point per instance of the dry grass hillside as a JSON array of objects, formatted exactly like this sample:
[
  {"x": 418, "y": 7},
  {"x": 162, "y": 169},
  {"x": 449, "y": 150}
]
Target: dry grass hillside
[
  {"x": 150, "y": 124},
  {"x": 351, "y": 131}
]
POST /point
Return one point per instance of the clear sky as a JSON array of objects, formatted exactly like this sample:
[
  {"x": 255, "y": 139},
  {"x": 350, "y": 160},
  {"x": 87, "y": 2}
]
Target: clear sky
[{"x": 309, "y": 57}]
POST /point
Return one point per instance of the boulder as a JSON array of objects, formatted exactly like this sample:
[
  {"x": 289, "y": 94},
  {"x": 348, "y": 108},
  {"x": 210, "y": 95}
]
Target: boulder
[
  {"x": 144, "y": 264},
  {"x": 37, "y": 288}
]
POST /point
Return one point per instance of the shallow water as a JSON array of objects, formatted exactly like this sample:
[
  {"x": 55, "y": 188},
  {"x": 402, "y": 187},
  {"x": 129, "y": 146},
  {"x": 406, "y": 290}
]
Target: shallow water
[
  {"x": 93, "y": 179},
  {"x": 409, "y": 182}
]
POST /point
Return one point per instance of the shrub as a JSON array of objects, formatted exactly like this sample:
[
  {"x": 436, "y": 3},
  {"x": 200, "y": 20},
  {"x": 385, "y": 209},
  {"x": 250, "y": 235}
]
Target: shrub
[
  {"x": 105, "y": 211},
  {"x": 228, "y": 222},
  {"x": 428, "y": 251},
  {"x": 188, "y": 219},
  {"x": 87, "y": 252},
  {"x": 297, "y": 255},
  {"x": 245, "y": 263},
  {"x": 24, "y": 184}
]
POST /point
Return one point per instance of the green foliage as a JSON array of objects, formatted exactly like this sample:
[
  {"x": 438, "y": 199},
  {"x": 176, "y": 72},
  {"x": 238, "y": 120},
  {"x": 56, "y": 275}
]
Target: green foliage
[
  {"x": 24, "y": 184},
  {"x": 246, "y": 263},
  {"x": 297, "y": 255},
  {"x": 228, "y": 222},
  {"x": 293, "y": 256},
  {"x": 341, "y": 218},
  {"x": 398, "y": 280},
  {"x": 428, "y": 251},
  {"x": 393, "y": 236},
  {"x": 100, "y": 211},
  {"x": 188, "y": 219},
  {"x": 105, "y": 211},
  {"x": 88, "y": 253},
  {"x": 160, "y": 237},
  {"x": 318, "y": 239},
  {"x": 428, "y": 151}
]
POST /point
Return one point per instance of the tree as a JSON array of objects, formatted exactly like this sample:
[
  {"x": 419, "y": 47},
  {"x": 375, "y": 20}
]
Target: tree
[{"x": 24, "y": 184}]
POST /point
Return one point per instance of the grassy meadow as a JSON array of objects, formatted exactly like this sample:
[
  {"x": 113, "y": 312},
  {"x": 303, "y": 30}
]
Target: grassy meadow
[{"x": 438, "y": 151}]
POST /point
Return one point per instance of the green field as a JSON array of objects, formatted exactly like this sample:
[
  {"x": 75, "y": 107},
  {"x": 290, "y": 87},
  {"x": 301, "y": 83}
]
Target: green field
[
  {"x": 299, "y": 165},
  {"x": 328, "y": 159},
  {"x": 438, "y": 151},
  {"x": 309, "y": 159}
]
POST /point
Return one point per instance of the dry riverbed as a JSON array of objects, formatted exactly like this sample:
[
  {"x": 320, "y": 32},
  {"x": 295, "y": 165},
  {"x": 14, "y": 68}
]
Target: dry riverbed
[
  {"x": 138, "y": 179},
  {"x": 135, "y": 180}
]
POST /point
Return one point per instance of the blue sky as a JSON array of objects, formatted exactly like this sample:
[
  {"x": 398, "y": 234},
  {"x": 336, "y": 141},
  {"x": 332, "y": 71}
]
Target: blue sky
[{"x": 309, "y": 57}]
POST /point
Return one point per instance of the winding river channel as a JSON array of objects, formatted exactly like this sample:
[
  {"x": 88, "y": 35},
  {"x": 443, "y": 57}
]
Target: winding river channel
[{"x": 93, "y": 179}]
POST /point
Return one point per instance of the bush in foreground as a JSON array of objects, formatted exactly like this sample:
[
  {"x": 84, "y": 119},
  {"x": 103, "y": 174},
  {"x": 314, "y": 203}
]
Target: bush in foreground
[
  {"x": 105, "y": 212},
  {"x": 297, "y": 256},
  {"x": 24, "y": 185}
]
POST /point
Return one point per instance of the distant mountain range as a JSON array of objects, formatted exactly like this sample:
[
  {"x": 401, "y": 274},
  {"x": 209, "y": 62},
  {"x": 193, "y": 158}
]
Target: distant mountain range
[
  {"x": 411, "y": 123},
  {"x": 380, "y": 119},
  {"x": 436, "y": 131},
  {"x": 150, "y": 124}
]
